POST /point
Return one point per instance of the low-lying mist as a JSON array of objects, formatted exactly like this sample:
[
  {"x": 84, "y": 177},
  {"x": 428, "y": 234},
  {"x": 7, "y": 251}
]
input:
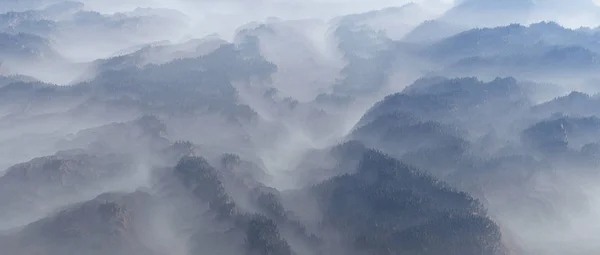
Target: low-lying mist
[{"x": 299, "y": 127}]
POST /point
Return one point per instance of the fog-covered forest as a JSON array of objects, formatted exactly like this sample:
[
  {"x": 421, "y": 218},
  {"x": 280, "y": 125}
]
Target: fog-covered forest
[{"x": 321, "y": 127}]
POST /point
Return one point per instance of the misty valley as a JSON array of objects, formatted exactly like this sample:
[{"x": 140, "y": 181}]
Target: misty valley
[{"x": 325, "y": 127}]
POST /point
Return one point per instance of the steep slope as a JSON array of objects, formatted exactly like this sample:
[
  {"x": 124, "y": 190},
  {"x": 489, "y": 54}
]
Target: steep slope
[{"x": 382, "y": 206}]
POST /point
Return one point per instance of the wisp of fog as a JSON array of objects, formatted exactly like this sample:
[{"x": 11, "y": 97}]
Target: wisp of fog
[{"x": 272, "y": 127}]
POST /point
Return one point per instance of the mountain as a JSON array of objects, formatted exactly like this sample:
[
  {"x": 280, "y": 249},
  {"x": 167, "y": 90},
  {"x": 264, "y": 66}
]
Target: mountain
[
  {"x": 106, "y": 224},
  {"x": 395, "y": 134},
  {"x": 32, "y": 55},
  {"x": 158, "y": 54},
  {"x": 485, "y": 136},
  {"x": 399, "y": 207},
  {"x": 125, "y": 129},
  {"x": 374, "y": 172},
  {"x": 387, "y": 207},
  {"x": 431, "y": 31},
  {"x": 487, "y": 13},
  {"x": 543, "y": 52},
  {"x": 7, "y": 80},
  {"x": 110, "y": 33},
  {"x": 395, "y": 22},
  {"x": 438, "y": 98},
  {"x": 562, "y": 133},
  {"x": 33, "y": 22},
  {"x": 575, "y": 103},
  {"x": 60, "y": 21},
  {"x": 297, "y": 47},
  {"x": 20, "y": 48},
  {"x": 39, "y": 186},
  {"x": 148, "y": 131},
  {"x": 132, "y": 86},
  {"x": 512, "y": 39}
]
